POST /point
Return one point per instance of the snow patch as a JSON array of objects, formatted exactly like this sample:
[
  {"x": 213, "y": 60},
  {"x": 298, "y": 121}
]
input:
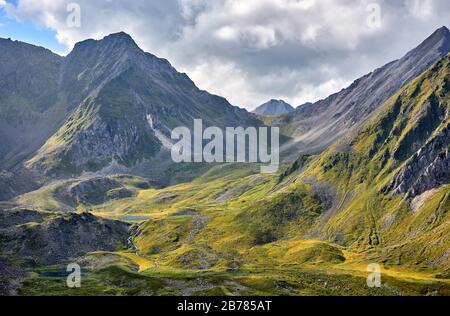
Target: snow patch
[{"x": 165, "y": 141}]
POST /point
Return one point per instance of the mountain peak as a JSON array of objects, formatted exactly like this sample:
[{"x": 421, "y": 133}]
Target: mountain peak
[
  {"x": 113, "y": 41},
  {"x": 438, "y": 42},
  {"x": 274, "y": 108},
  {"x": 443, "y": 30},
  {"x": 275, "y": 101},
  {"x": 120, "y": 36},
  {"x": 442, "y": 33}
]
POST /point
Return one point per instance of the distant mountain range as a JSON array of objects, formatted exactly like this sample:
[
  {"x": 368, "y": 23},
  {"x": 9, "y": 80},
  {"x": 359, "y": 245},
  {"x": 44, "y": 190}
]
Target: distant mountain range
[
  {"x": 109, "y": 107},
  {"x": 274, "y": 108},
  {"x": 86, "y": 177}
]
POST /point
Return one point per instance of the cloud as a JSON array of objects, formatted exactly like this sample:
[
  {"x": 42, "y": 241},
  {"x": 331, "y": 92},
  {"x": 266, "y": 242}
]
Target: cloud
[{"x": 253, "y": 50}]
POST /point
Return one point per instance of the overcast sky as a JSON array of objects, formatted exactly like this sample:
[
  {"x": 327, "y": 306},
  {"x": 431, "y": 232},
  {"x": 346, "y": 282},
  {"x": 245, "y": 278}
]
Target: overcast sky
[{"x": 248, "y": 51}]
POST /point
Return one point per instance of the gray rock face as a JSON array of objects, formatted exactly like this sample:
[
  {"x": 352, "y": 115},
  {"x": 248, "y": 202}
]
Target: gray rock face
[
  {"x": 96, "y": 106},
  {"x": 10, "y": 278},
  {"x": 63, "y": 237},
  {"x": 274, "y": 108},
  {"x": 319, "y": 125},
  {"x": 141, "y": 97},
  {"x": 29, "y": 107},
  {"x": 415, "y": 132},
  {"x": 429, "y": 168}
]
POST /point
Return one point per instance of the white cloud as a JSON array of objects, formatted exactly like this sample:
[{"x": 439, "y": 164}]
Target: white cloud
[
  {"x": 227, "y": 33},
  {"x": 253, "y": 50}
]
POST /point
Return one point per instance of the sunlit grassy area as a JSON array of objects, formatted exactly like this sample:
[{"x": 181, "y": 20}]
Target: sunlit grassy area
[
  {"x": 233, "y": 229},
  {"x": 312, "y": 229}
]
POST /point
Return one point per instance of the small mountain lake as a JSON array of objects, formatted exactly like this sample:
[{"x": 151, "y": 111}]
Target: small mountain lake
[
  {"x": 59, "y": 272},
  {"x": 134, "y": 218}
]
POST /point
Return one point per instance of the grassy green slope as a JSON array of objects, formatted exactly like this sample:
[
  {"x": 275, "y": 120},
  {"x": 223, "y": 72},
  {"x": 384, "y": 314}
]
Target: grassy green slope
[
  {"x": 312, "y": 230},
  {"x": 406, "y": 232}
]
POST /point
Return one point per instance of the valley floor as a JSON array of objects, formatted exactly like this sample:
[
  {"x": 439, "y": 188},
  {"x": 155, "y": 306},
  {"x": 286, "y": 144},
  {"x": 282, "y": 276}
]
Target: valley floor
[
  {"x": 342, "y": 280},
  {"x": 199, "y": 238}
]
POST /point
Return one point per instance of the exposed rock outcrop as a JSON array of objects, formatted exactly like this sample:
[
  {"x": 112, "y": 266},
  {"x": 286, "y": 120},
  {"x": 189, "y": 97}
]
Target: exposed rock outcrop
[
  {"x": 429, "y": 168},
  {"x": 60, "y": 238}
]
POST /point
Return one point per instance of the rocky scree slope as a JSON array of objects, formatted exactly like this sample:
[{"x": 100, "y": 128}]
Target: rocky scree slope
[{"x": 317, "y": 126}]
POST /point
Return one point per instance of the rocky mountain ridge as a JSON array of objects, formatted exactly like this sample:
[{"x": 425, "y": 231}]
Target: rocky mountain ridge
[{"x": 317, "y": 126}]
